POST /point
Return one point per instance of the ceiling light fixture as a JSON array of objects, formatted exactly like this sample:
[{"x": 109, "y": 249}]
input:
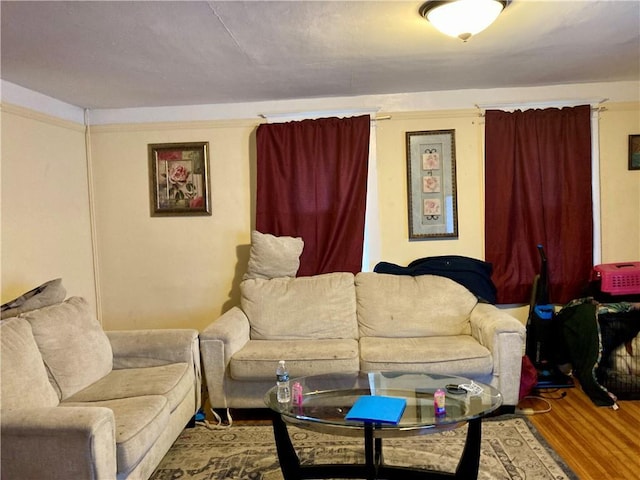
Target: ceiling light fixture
[{"x": 462, "y": 18}]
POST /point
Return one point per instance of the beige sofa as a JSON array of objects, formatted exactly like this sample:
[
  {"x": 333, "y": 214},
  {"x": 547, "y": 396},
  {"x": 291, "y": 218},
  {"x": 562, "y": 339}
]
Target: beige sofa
[
  {"x": 339, "y": 322},
  {"x": 81, "y": 403}
]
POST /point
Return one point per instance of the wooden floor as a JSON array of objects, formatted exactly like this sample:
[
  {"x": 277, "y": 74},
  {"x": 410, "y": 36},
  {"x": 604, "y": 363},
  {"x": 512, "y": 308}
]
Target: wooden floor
[{"x": 596, "y": 442}]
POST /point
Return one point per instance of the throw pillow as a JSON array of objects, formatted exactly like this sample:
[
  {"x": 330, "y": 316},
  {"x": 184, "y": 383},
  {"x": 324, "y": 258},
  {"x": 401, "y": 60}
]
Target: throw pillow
[
  {"x": 24, "y": 377},
  {"x": 73, "y": 345},
  {"x": 273, "y": 257},
  {"x": 49, "y": 293}
]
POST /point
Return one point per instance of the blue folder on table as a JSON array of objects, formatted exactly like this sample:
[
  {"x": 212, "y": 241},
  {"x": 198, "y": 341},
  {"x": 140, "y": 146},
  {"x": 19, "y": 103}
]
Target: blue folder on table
[{"x": 376, "y": 408}]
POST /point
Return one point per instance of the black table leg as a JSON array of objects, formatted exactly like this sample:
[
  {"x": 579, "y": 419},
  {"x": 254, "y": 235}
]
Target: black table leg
[
  {"x": 470, "y": 459},
  {"x": 289, "y": 461},
  {"x": 379, "y": 460},
  {"x": 372, "y": 452},
  {"x": 368, "y": 452}
]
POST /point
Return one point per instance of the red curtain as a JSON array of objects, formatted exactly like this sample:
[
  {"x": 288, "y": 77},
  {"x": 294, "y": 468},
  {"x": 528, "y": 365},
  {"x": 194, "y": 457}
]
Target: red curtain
[
  {"x": 312, "y": 183},
  {"x": 538, "y": 191}
]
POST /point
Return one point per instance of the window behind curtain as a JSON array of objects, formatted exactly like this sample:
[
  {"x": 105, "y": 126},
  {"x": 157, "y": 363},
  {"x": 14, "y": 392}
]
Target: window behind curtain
[
  {"x": 312, "y": 183},
  {"x": 538, "y": 191}
]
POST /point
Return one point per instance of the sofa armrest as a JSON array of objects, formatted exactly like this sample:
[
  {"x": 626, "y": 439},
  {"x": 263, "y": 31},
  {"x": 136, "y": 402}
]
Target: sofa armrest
[
  {"x": 488, "y": 322},
  {"x": 218, "y": 342},
  {"x": 149, "y": 348},
  {"x": 504, "y": 336},
  {"x": 58, "y": 443}
]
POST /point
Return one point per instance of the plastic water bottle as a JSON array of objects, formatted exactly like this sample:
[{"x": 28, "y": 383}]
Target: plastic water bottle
[{"x": 282, "y": 378}]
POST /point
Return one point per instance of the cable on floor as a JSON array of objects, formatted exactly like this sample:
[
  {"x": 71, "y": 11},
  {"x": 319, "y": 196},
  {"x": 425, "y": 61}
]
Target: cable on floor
[
  {"x": 217, "y": 426},
  {"x": 531, "y": 411}
]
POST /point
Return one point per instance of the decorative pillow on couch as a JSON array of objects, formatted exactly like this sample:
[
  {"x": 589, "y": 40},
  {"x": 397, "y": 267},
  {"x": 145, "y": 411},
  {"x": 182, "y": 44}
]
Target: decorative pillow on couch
[
  {"x": 49, "y": 293},
  {"x": 273, "y": 257},
  {"x": 73, "y": 345}
]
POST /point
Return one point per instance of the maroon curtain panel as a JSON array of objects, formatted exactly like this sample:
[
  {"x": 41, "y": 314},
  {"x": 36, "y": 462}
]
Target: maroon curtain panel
[
  {"x": 312, "y": 183},
  {"x": 538, "y": 191}
]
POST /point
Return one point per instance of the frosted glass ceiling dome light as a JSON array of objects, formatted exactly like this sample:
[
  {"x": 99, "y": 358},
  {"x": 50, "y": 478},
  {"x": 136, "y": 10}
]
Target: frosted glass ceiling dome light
[{"x": 462, "y": 18}]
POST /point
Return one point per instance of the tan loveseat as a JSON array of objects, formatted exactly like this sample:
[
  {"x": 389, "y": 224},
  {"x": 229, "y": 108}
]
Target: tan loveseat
[
  {"x": 339, "y": 322},
  {"x": 81, "y": 403}
]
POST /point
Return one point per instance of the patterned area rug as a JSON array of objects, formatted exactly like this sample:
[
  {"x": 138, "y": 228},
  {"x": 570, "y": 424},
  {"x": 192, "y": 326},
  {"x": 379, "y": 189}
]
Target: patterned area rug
[{"x": 511, "y": 449}]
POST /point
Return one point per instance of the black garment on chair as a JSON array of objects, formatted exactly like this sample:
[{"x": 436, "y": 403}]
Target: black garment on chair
[{"x": 471, "y": 273}]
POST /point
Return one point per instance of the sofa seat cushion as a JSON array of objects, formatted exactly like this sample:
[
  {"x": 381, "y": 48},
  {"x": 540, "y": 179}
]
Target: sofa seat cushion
[
  {"x": 23, "y": 377},
  {"x": 258, "y": 359},
  {"x": 171, "y": 381},
  {"x": 75, "y": 349},
  {"x": 454, "y": 355},
  {"x": 139, "y": 423},
  {"x": 404, "y": 306},
  {"x": 321, "y": 306}
]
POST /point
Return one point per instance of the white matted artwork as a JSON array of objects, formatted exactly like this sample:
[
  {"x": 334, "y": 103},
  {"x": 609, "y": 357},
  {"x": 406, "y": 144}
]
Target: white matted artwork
[{"x": 431, "y": 182}]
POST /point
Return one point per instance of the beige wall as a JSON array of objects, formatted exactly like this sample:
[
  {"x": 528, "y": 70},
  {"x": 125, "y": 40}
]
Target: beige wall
[
  {"x": 46, "y": 230},
  {"x": 170, "y": 271},
  {"x": 620, "y": 187},
  {"x": 392, "y": 185},
  {"x": 184, "y": 271}
]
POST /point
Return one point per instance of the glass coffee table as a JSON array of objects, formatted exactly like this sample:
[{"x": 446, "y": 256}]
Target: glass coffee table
[{"x": 326, "y": 399}]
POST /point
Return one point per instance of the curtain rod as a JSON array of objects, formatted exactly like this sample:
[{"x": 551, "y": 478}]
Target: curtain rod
[
  {"x": 595, "y": 105},
  {"x": 373, "y": 119},
  {"x": 321, "y": 113}
]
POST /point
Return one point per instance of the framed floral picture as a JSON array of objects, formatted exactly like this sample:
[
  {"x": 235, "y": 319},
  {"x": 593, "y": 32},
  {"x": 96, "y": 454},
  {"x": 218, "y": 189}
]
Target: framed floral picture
[
  {"x": 179, "y": 174},
  {"x": 634, "y": 152},
  {"x": 431, "y": 184}
]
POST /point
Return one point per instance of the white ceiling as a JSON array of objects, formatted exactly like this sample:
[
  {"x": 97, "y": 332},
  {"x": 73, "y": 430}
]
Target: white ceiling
[{"x": 157, "y": 53}]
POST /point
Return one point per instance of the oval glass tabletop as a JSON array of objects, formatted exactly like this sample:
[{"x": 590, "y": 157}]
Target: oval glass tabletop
[{"x": 327, "y": 399}]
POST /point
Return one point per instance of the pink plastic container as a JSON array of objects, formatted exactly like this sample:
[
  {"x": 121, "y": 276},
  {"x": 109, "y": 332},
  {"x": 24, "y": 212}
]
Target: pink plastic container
[{"x": 619, "y": 278}]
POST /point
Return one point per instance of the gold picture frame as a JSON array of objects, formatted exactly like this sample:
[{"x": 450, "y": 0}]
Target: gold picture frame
[{"x": 179, "y": 179}]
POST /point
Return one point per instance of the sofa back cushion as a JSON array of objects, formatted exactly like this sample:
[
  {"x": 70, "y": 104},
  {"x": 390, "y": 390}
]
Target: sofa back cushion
[
  {"x": 320, "y": 306},
  {"x": 406, "y": 306},
  {"x": 73, "y": 345},
  {"x": 24, "y": 378}
]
